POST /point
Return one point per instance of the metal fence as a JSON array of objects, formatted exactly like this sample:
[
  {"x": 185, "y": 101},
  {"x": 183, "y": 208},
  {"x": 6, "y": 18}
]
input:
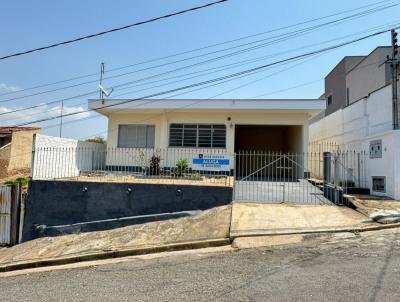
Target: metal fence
[
  {"x": 5, "y": 214},
  {"x": 172, "y": 165},
  {"x": 305, "y": 178},
  {"x": 312, "y": 178}
]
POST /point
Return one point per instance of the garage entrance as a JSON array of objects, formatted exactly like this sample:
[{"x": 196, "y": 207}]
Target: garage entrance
[
  {"x": 268, "y": 138},
  {"x": 272, "y": 167},
  {"x": 258, "y": 146}
]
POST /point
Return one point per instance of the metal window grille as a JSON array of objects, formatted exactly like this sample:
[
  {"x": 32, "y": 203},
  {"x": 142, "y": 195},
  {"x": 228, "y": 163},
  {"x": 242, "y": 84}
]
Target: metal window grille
[{"x": 197, "y": 135}]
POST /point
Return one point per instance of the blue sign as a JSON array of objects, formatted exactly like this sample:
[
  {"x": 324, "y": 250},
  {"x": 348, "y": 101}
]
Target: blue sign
[{"x": 208, "y": 162}]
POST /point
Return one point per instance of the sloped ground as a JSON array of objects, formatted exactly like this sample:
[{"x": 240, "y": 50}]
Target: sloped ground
[
  {"x": 371, "y": 204},
  {"x": 268, "y": 219},
  {"x": 381, "y": 209},
  {"x": 210, "y": 224}
]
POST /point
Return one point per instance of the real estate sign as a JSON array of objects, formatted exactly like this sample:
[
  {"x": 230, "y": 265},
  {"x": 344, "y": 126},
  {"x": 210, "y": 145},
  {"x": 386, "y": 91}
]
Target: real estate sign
[{"x": 209, "y": 162}]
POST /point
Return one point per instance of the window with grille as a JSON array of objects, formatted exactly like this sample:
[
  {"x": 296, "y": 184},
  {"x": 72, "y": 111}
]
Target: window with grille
[
  {"x": 379, "y": 184},
  {"x": 197, "y": 135},
  {"x": 136, "y": 136}
]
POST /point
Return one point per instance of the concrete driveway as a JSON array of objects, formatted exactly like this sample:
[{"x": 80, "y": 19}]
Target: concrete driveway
[
  {"x": 250, "y": 219},
  {"x": 294, "y": 192}
]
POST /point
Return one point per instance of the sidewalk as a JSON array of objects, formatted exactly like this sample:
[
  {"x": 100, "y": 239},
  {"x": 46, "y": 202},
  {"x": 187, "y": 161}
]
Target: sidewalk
[
  {"x": 255, "y": 219},
  {"x": 209, "y": 228},
  {"x": 248, "y": 225}
]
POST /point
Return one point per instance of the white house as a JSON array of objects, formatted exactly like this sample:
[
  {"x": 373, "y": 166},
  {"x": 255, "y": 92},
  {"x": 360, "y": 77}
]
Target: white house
[
  {"x": 212, "y": 126},
  {"x": 359, "y": 117}
]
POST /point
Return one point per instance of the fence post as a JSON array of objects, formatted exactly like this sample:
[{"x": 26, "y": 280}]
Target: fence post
[
  {"x": 33, "y": 155},
  {"x": 15, "y": 213},
  {"x": 326, "y": 167},
  {"x": 359, "y": 169}
]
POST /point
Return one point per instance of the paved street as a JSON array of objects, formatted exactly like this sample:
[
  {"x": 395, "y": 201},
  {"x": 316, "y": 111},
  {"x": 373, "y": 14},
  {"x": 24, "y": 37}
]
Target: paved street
[{"x": 338, "y": 268}]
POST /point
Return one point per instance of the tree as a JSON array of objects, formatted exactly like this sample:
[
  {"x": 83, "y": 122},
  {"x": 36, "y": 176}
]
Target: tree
[{"x": 97, "y": 140}]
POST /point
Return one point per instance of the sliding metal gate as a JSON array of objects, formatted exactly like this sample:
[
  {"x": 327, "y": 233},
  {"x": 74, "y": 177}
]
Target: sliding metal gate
[
  {"x": 274, "y": 177},
  {"x": 5, "y": 215}
]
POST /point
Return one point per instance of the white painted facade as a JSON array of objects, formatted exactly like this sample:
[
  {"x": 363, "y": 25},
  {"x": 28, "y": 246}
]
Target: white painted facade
[
  {"x": 163, "y": 113},
  {"x": 355, "y": 126}
]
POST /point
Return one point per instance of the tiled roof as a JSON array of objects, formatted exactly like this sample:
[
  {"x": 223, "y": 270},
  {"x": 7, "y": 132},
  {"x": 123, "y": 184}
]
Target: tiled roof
[{"x": 14, "y": 129}]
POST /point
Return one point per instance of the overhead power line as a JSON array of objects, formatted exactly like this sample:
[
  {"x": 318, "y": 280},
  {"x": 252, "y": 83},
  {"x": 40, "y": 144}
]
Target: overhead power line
[
  {"x": 221, "y": 68},
  {"x": 112, "y": 30},
  {"x": 270, "y": 41},
  {"x": 206, "y": 47},
  {"x": 248, "y": 71}
]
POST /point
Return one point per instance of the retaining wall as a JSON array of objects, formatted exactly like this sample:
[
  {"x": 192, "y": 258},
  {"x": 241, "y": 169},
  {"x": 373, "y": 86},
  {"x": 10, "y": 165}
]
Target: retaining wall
[{"x": 53, "y": 204}]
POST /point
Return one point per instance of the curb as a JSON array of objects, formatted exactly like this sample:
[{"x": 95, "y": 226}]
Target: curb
[
  {"x": 256, "y": 233},
  {"x": 116, "y": 254}
]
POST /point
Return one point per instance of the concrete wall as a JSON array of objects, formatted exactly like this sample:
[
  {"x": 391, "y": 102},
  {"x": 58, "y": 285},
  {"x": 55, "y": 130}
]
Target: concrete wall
[
  {"x": 161, "y": 121},
  {"x": 61, "y": 203},
  {"x": 5, "y": 152},
  {"x": 355, "y": 126},
  {"x": 369, "y": 75},
  {"x": 57, "y": 157},
  {"x": 21, "y": 150},
  {"x": 335, "y": 83}
]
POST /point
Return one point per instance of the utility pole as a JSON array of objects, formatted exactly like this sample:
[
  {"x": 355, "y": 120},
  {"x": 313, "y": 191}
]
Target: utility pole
[
  {"x": 61, "y": 116},
  {"x": 394, "y": 64}
]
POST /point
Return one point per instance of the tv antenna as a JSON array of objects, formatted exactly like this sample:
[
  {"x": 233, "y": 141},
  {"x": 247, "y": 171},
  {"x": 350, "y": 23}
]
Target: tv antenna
[{"x": 103, "y": 91}]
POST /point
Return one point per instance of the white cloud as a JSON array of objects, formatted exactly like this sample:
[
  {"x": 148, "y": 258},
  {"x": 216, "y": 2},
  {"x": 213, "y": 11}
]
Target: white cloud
[
  {"x": 8, "y": 88},
  {"x": 42, "y": 112}
]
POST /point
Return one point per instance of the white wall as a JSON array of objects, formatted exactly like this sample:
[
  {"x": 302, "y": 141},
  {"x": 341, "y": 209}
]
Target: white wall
[
  {"x": 56, "y": 157},
  {"x": 162, "y": 119},
  {"x": 353, "y": 127}
]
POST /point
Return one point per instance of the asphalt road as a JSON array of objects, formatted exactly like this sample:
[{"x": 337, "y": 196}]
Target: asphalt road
[{"x": 338, "y": 268}]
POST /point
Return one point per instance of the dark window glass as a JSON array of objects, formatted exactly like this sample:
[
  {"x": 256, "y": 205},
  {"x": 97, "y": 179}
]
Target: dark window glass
[{"x": 329, "y": 100}]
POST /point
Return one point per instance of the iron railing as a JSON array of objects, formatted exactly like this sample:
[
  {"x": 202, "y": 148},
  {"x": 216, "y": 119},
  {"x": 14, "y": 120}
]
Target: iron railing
[
  {"x": 313, "y": 177},
  {"x": 208, "y": 166},
  {"x": 309, "y": 178}
]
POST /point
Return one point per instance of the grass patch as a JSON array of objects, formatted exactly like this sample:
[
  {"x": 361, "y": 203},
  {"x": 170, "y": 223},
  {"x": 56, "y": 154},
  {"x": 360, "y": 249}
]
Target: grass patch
[{"x": 20, "y": 180}]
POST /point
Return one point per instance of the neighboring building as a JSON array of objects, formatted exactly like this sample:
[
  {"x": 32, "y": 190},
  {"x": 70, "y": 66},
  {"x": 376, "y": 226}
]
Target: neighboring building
[
  {"x": 359, "y": 117},
  {"x": 15, "y": 149},
  {"x": 355, "y": 77},
  {"x": 222, "y": 125}
]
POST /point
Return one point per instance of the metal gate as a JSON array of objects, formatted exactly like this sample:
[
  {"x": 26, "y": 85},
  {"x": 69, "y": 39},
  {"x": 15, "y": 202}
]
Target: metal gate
[
  {"x": 300, "y": 178},
  {"x": 5, "y": 215}
]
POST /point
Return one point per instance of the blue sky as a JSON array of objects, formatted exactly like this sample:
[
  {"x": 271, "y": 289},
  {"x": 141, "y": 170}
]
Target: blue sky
[{"x": 29, "y": 24}]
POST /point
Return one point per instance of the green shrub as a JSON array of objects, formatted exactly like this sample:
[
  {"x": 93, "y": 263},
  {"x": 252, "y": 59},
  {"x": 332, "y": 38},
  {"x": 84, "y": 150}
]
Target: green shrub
[
  {"x": 20, "y": 180},
  {"x": 97, "y": 140},
  {"x": 182, "y": 165}
]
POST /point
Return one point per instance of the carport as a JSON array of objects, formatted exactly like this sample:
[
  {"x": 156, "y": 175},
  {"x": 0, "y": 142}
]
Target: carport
[
  {"x": 269, "y": 138},
  {"x": 271, "y": 165}
]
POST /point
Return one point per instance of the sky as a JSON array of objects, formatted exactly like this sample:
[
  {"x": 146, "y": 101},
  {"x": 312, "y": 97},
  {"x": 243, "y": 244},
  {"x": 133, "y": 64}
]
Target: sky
[{"x": 29, "y": 24}]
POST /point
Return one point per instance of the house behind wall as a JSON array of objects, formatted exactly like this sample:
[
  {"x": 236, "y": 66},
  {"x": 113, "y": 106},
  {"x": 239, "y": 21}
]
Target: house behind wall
[
  {"x": 16, "y": 151},
  {"x": 361, "y": 119}
]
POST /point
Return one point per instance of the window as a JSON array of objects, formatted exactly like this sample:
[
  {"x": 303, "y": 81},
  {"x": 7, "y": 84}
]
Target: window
[
  {"x": 329, "y": 99},
  {"x": 197, "y": 135},
  {"x": 136, "y": 136},
  {"x": 378, "y": 184},
  {"x": 375, "y": 149}
]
